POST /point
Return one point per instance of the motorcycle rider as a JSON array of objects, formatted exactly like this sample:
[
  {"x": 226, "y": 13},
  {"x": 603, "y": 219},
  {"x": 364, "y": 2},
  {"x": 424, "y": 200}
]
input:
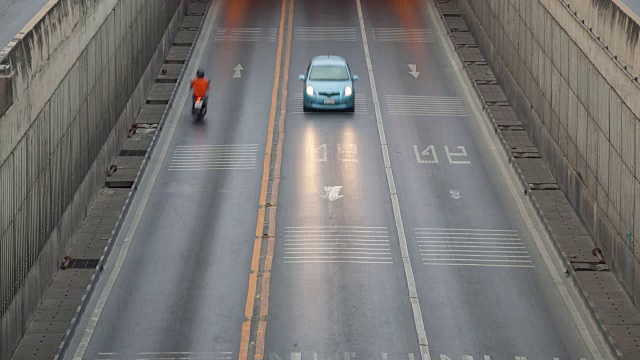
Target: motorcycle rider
[{"x": 200, "y": 86}]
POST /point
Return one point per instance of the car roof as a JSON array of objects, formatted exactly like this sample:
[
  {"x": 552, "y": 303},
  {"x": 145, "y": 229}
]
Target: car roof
[{"x": 328, "y": 60}]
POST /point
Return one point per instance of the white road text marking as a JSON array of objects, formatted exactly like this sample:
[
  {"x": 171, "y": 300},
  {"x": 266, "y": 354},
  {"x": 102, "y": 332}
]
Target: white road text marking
[
  {"x": 430, "y": 155},
  {"x": 430, "y": 151},
  {"x": 451, "y": 155},
  {"x": 348, "y": 152}
]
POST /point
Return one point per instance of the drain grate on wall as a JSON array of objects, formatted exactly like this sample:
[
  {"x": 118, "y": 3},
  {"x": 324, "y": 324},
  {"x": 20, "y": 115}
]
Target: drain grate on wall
[
  {"x": 543, "y": 186},
  {"x": 589, "y": 266},
  {"x": 511, "y": 127},
  {"x": 133, "y": 153},
  {"x": 83, "y": 264},
  {"x": 486, "y": 82},
  {"x": 476, "y": 62},
  {"x": 497, "y": 103}
]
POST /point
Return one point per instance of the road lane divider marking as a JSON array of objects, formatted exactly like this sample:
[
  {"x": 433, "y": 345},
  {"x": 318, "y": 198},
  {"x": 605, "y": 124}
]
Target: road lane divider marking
[
  {"x": 336, "y": 245},
  {"x": 402, "y": 239},
  {"x": 402, "y": 35},
  {"x": 173, "y": 117},
  {"x": 254, "y": 327},
  {"x": 237, "y": 34},
  {"x": 412, "y": 105},
  {"x": 480, "y": 247},
  {"x": 272, "y": 34},
  {"x": 553, "y": 264},
  {"x": 214, "y": 157},
  {"x": 326, "y": 34},
  {"x": 245, "y": 34}
]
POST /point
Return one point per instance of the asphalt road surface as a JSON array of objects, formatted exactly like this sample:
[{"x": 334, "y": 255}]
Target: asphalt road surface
[
  {"x": 14, "y": 15},
  {"x": 398, "y": 234},
  {"x": 633, "y": 5}
]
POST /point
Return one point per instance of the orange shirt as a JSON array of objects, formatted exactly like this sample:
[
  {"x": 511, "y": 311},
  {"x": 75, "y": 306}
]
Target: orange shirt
[{"x": 200, "y": 86}]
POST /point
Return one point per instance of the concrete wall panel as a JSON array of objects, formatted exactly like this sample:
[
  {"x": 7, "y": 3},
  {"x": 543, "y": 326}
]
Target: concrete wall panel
[
  {"x": 603, "y": 107},
  {"x": 564, "y": 57},
  {"x": 615, "y": 122},
  {"x": 577, "y": 104},
  {"x": 581, "y": 130},
  {"x": 555, "y": 90},
  {"x": 627, "y": 201},
  {"x": 617, "y": 27},
  {"x": 583, "y": 81},
  {"x": 615, "y": 171},
  {"x": 593, "y": 90},
  {"x": 573, "y": 65},
  {"x": 75, "y": 99},
  {"x": 564, "y": 102},
  {"x": 628, "y": 126},
  {"x": 592, "y": 151}
]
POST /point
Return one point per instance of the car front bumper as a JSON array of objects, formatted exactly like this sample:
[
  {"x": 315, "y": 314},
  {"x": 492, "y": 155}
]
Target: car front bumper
[{"x": 317, "y": 102}]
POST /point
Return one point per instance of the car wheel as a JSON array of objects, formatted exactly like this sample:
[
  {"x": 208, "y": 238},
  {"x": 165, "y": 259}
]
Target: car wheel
[
  {"x": 351, "y": 109},
  {"x": 305, "y": 108}
]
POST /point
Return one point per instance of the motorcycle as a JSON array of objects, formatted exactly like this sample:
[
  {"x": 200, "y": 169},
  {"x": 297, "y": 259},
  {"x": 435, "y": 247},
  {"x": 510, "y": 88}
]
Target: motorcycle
[{"x": 199, "y": 109}]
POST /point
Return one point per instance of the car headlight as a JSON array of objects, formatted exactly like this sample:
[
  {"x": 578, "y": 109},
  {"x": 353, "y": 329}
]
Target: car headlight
[
  {"x": 348, "y": 91},
  {"x": 310, "y": 90}
]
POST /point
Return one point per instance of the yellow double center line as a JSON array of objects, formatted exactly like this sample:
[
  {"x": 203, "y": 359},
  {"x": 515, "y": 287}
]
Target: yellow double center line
[{"x": 252, "y": 340}]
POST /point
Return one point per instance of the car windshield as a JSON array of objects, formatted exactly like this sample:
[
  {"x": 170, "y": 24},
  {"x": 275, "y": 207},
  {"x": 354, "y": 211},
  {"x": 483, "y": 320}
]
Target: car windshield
[{"x": 329, "y": 72}]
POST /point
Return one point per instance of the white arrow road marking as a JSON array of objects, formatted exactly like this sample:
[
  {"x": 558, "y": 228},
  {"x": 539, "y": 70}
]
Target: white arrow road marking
[
  {"x": 332, "y": 193},
  {"x": 237, "y": 69},
  {"x": 413, "y": 71},
  {"x": 455, "y": 194}
]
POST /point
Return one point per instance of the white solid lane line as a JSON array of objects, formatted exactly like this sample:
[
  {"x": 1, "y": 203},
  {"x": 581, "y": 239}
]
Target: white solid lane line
[
  {"x": 402, "y": 239},
  {"x": 478, "y": 230},
  {"x": 181, "y": 99}
]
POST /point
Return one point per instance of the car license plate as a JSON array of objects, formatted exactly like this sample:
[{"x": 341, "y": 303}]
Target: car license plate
[{"x": 329, "y": 101}]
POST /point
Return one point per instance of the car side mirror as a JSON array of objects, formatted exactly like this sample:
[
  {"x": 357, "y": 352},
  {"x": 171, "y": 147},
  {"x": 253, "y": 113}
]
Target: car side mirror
[
  {"x": 356, "y": 77},
  {"x": 302, "y": 78}
]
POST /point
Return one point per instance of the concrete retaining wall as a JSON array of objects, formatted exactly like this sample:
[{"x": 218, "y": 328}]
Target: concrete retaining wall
[
  {"x": 579, "y": 106},
  {"x": 617, "y": 26},
  {"x": 77, "y": 77}
]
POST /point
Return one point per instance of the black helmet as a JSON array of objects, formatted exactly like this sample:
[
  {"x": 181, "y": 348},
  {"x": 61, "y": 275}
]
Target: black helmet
[{"x": 200, "y": 73}]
